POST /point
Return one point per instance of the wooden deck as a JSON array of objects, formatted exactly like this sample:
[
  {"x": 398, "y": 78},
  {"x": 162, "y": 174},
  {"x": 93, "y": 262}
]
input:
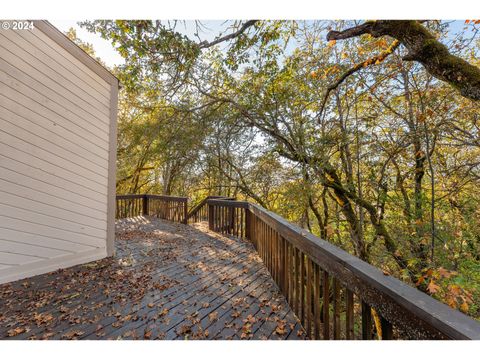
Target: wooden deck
[{"x": 166, "y": 281}]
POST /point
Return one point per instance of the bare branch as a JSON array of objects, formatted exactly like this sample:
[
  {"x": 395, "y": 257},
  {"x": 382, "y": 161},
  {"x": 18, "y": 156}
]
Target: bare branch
[
  {"x": 374, "y": 60},
  {"x": 205, "y": 44}
]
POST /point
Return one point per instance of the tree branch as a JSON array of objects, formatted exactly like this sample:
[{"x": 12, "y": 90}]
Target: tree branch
[
  {"x": 374, "y": 60},
  {"x": 424, "y": 48},
  {"x": 206, "y": 44}
]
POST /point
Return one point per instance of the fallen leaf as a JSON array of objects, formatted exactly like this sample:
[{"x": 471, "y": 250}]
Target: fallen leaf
[
  {"x": 16, "y": 331},
  {"x": 213, "y": 316},
  {"x": 432, "y": 287}
]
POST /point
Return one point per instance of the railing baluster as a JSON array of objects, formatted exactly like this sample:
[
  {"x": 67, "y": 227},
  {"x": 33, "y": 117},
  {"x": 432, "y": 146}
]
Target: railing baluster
[
  {"x": 336, "y": 309},
  {"x": 366, "y": 321},
  {"x": 317, "y": 297},
  {"x": 297, "y": 281},
  {"x": 308, "y": 298},
  {"x": 349, "y": 331},
  {"x": 302, "y": 287},
  {"x": 326, "y": 306},
  {"x": 387, "y": 331}
]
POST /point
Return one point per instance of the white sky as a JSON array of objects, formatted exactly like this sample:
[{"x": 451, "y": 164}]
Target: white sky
[{"x": 102, "y": 47}]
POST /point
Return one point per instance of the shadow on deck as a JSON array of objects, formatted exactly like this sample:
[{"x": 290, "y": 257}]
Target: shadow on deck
[{"x": 166, "y": 281}]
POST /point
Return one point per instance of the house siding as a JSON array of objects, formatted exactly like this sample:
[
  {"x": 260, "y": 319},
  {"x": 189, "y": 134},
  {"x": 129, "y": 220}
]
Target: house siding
[{"x": 57, "y": 154}]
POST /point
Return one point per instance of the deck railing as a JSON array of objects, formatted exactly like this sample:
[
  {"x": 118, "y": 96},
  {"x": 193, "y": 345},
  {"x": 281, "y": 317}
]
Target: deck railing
[
  {"x": 334, "y": 294},
  {"x": 173, "y": 208}
]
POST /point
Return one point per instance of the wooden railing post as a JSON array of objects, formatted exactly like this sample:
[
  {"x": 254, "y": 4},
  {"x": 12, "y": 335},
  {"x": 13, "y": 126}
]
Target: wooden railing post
[
  {"x": 185, "y": 212},
  {"x": 387, "y": 331},
  {"x": 145, "y": 205},
  {"x": 211, "y": 217},
  {"x": 366, "y": 322}
]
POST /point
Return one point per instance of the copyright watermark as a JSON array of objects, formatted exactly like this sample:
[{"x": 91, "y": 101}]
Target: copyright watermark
[{"x": 16, "y": 25}]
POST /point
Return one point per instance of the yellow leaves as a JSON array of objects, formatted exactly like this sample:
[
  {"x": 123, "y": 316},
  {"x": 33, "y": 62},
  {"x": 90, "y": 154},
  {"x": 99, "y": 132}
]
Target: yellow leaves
[
  {"x": 281, "y": 328},
  {"x": 329, "y": 177},
  {"x": 213, "y": 316},
  {"x": 420, "y": 281},
  {"x": 72, "y": 334},
  {"x": 432, "y": 287},
  {"x": 331, "y": 43},
  {"x": 151, "y": 305},
  {"x": 418, "y": 222},
  {"x": 147, "y": 334},
  {"x": 42, "y": 318},
  {"x": 330, "y": 230},
  {"x": 250, "y": 319},
  {"x": 445, "y": 273},
  {"x": 464, "y": 307},
  {"x": 16, "y": 331},
  {"x": 339, "y": 201},
  {"x": 344, "y": 55},
  {"x": 382, "y": 42},
  {"x": 455, "y": 289},
  {"x": 332, "y": 70}
]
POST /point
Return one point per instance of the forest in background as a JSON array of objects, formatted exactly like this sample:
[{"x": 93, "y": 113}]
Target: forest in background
[{"x": 350, "y": 135}]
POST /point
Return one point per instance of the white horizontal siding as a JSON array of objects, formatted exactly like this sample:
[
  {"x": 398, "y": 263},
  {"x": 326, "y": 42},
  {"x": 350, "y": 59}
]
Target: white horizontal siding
[
  {"x": 14, "y": 247},
  {"x": 43, "y": 182},
  {"x": 16, "y": 45},
  {"x": 68, "y": 63},
  {"x": 54, "y": 151}
]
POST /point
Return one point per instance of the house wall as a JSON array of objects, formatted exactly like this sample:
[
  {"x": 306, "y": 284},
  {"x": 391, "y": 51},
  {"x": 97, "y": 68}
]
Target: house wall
[{"x": 57, "y": 153}]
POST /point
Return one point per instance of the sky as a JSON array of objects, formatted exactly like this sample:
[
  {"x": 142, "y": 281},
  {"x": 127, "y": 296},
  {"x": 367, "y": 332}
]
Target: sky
[{"x": 102, "y": 47}]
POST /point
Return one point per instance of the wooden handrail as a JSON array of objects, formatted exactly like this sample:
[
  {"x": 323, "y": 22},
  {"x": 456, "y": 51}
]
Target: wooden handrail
[{"x": 320, "y": 280}]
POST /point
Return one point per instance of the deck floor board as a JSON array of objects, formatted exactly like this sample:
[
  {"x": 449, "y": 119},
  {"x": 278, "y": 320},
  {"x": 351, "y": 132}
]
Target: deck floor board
[{"x": 166, "y": 281}]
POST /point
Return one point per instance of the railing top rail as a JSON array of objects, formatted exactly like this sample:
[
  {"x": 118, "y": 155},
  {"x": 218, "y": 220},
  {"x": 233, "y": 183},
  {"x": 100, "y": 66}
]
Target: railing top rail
[
  {"x": 358, "y": 274},
  {"x": 153, "y": 196},
  {"x": 168, "y": 197},
  {"x": 229, "y": 203},
  {"x": 130, "y": 196}
]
